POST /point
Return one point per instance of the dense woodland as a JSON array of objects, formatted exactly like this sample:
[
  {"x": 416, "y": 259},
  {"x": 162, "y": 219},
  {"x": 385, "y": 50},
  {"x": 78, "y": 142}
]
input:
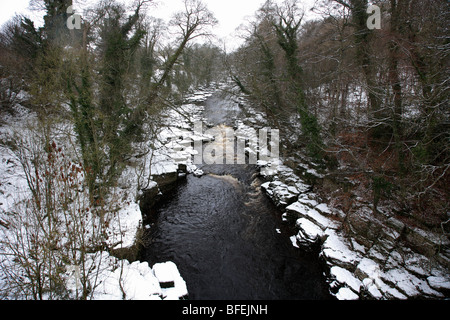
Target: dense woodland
[
  {"x": 367, "y": 106},
  {"x": 371, "y": 104}
]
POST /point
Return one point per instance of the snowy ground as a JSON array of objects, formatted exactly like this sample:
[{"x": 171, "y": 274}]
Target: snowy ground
[{"x": 112, "y": 278}]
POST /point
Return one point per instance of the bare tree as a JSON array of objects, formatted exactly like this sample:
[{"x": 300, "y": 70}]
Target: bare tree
[
  {"x": 363, "y": 37},
  {"x": 194, "y": 22}
]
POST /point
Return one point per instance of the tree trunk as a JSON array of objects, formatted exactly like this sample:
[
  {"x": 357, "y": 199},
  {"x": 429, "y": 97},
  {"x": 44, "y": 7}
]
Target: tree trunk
[{"x": 394, "y": 80}]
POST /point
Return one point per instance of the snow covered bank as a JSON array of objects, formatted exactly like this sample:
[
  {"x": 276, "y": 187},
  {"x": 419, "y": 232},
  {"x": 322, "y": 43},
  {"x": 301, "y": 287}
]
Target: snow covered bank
[
  {"x": 122, "y": 280},
  {"x": 384, "y": 269},
  {"x": 103, "y": 276}
]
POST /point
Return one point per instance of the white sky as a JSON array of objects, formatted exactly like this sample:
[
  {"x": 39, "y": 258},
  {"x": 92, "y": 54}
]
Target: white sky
[{"x": 230, "y": 13}]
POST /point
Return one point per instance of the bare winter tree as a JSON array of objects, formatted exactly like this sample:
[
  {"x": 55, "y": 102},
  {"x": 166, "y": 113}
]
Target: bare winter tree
[{"x": 194, "y": 22}]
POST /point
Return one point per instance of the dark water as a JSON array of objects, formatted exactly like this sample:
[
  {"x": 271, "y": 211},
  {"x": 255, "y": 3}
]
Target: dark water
[{"x": 221, "y": 231}]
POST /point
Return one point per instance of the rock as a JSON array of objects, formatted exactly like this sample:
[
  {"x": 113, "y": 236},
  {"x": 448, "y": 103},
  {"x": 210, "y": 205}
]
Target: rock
[
  {"x": 395, "y": 224},
  {"x": 388, "y": 238},
  {"x": 306, "y": 201},
  {"x": 369, "y": 271},
  {"x": 336, "y": 252},
  {"x": 323, "y": 209},
  {"x": 402, "y": 280},
  {"x": 148, "y": 197},
  {"x": 443, "y": 257},
  {"x": 282, "y": 194},
  {"x": 299, "y": 210},
  {"x": 364, "y": 226},
  {"x": 391, "y": 293},
  {"x": 358, "y": 247},
  {"x": 345, "y": 277},
  {"x": 417, "y": 264},
  {"x": 302, "y": 187},
  {"x": 309, "y": 233},
  {"x": 294, "y": 241},
  {"x": 395, "y": 259},
  {"x": 166, "y": 181},
  {"x": 170, "y": 280},
  {"x": 426, "y": 243},
  {"x": 182, "y": 168},
  {"x": 367, "y": 268},
  {"x": 440, "y": 283},
  {"x": 346, "y": 294},
  {"x": 378, "y": 254},
  {"x": 370, "y": 289},
  {"x": 198, "y": 172}
]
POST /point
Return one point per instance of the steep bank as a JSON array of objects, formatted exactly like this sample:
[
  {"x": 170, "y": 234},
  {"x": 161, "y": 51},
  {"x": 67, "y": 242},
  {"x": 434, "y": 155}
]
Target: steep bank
[{"x": 369, "y": 257}]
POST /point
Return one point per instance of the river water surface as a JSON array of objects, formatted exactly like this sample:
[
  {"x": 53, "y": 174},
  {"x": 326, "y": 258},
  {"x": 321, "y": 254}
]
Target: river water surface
[{"x": 226, "y": 236}]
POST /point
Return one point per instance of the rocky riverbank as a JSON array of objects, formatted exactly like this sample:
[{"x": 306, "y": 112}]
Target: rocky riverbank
[{"x": 369, "y": 257}]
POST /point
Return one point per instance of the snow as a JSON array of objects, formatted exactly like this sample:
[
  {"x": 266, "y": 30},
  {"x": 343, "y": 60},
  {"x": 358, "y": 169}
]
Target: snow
[
  {"x": 323, "y": 208},
  {"x": 136, "y": 280},
  {"x": 294, "y": 241},
  {"x": 128, "y": 224},
  {"x": 369, "y": 268},
  {"x": 307, "y": 201},
  {"x": 372, "y": 288},
  {"x": 403, "y": 280},
  {"x": 439, "y": 282},
  {"x": 302, "y": 209},
  {"x": 346, "y": 294},
  {"x": 358, "y": 247},
  {"x": 335, "y": 249},
  {"x": 280, "y": 192},
  {"x": 168, "y": 273},
  {"x": 344, "y": 276},
  {"x": 122, "y": 280},
  {"x": 163, "y": 166},
  {"x": 308, "y": 231}
]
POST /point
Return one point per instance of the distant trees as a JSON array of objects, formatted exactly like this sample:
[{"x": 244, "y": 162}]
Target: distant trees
[
  {"x": 269, "y": 69},
  {"x": 202, "y": 64}
]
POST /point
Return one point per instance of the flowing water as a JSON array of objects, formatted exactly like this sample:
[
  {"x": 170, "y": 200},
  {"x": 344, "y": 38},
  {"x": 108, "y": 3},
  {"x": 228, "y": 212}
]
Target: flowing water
[{"x": 227, "y": 237}]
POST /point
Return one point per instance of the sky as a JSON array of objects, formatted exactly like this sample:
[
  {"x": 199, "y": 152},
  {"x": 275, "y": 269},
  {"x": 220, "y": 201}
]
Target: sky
[{"x": 230, "y": 13}]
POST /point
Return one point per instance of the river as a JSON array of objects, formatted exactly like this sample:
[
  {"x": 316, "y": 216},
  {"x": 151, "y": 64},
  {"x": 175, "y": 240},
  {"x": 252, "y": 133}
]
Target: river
[{"x": 227, "y": 237}]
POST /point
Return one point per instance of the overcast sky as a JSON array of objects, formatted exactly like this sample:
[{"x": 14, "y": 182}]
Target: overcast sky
[{"x": 230, "y": 13}]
